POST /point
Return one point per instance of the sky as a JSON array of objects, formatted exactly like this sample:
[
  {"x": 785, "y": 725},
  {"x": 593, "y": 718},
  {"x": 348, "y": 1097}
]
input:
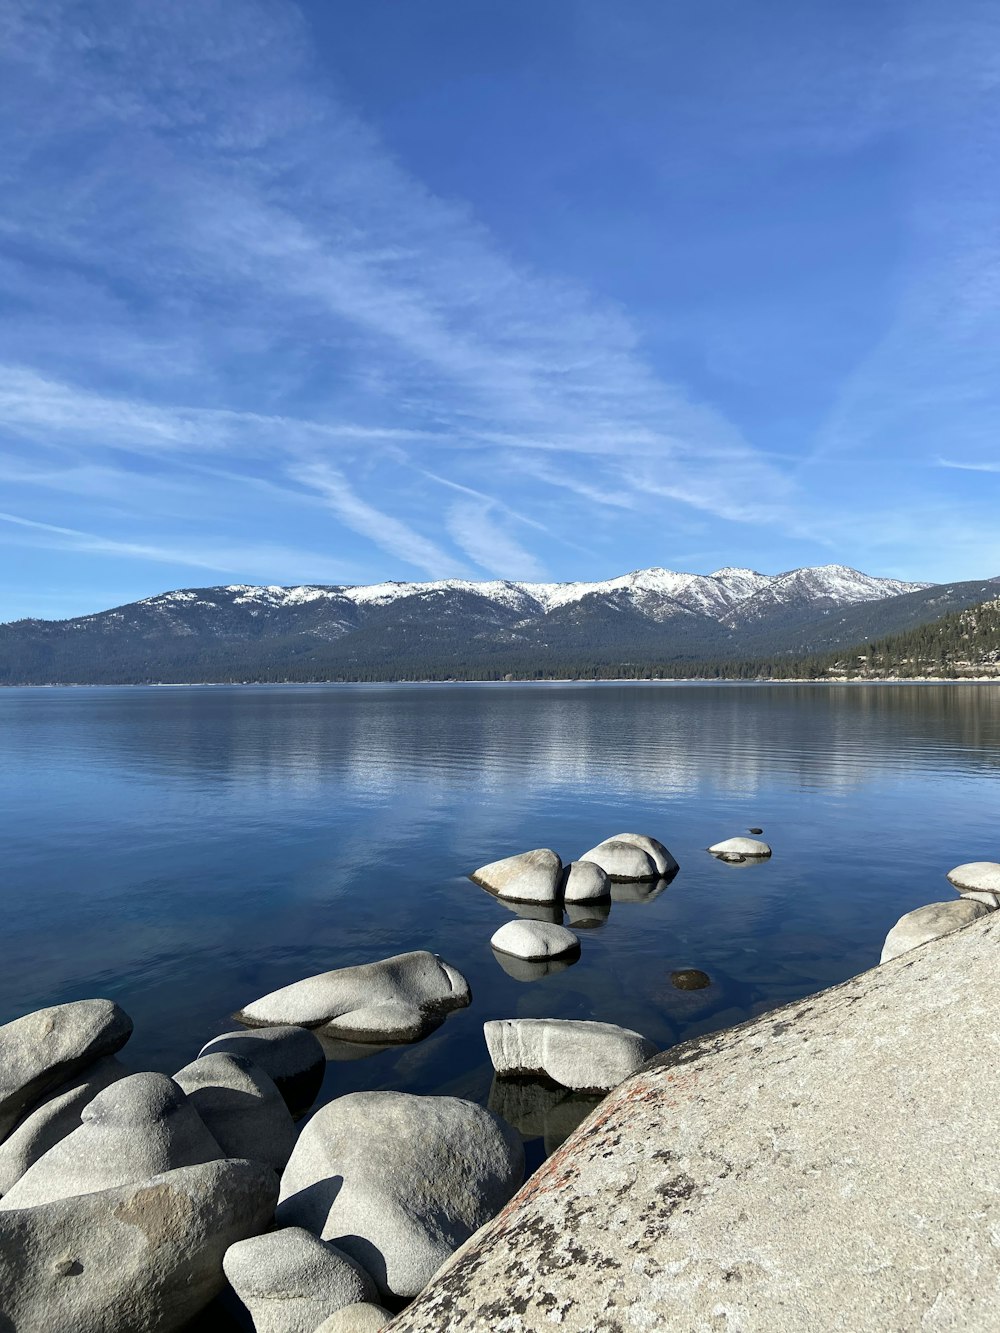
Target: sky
[{"x": 348, "y": 290}]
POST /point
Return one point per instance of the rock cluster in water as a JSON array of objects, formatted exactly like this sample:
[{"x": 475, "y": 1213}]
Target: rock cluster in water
[{"x": 978, "y": 884}]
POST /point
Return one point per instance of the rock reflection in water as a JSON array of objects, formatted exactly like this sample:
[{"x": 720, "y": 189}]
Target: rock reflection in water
[
  {"x": 335, "y": 1048},
  {"x": 541, "y": 1109},
  {"x": 534, "y": 969},
  {"x": 587, "y": 916}
]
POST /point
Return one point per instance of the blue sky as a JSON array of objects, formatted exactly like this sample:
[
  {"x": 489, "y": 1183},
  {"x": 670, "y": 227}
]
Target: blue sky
[{"x": 343, "y": 291}]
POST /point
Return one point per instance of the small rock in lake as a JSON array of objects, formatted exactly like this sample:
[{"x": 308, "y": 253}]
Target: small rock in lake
[
  {"x": 530, "y": 877},
  {"x": 755, "y": 831},
  {"x": 138, "y": 1127},
  {"x": 585, "y": 882},
  {"x": 590, "y": 1057},
  {"x": 534, "y": 940},
  {"x": 622, "y": 861},
  {"x": 398, "y": 999},
  {"x": 290, "y": 1280},
  {"x": 141, "y": 1258},
  {"x": 740, "y": 849},
  {"x": 979, "y": 880},
  {"x": 292, "y": 1056},
  {"x": 399, "y": 1182},
  {"x": 46, "y": 1048},
  {"x": 690, "y": 978},
  {"x": 364, "y": 1318},
  {"x": 929, "y": 923},
  {"x": 240, "y": 1107}
]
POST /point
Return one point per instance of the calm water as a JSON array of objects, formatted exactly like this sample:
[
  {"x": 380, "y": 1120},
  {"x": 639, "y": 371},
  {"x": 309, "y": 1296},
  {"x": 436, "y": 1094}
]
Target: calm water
[{"x": 184, "y": 851}]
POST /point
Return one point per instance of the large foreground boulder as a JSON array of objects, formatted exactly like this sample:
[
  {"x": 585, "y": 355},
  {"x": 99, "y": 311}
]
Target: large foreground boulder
[
  {"x": 927, "y": 923},
  {"x": 534, "y": 940},
  {"x": 138, "y": 1127},
  {"x": 57, "y": 1116},
  {"x": 290, "y": 1280},
  {"x": 622, "y": 860},
  {"x": 396, "y": 1000},
  {"x": 979, "y": 880},
  {"x": 528, "y": 877},
  {"x": 43, "y": 1049},
  {"x": 142, "y": 1258},
  {"x": 240, "y": 1107},
  {"x": 589, "y": 1057},
  {"x": 829, "y": 1166},
  {"x": 292, "y": 1056},
  {"x": 399, "y": 1182}
]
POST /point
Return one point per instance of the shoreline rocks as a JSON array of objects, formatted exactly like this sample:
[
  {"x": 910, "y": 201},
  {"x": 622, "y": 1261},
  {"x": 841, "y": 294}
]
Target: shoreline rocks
[
  {"x": 240, "y": 1107},
  {"x": 534, "y": 940},
  {"x": 979, "y": 880},
  {"x": 293, "y": 1057},
  {"x": 583, "y": 1056},
  {"x": 929, "y": 923}
]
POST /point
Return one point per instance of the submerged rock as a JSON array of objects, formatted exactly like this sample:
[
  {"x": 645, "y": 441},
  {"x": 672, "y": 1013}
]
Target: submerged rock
[
  {"x": 240, "y": 1107},
  {"x": 292, "y": 1056},
  {"x": 585, "y": 882},
  {"x": 43, "y": 1049},
  {"x": 141, "y": 1258},
  {"x": 531, "y": 877},
  {"x": 740, "y": 849},
  {"x": 399, "y": 1182},
  {"x": 290, "y": 1280},
  {"x": 534, "y": 940},
  {"x": 586, "y": 1056},
  {"x": 690, "y": 978},
  {"x": 138, "y": 1127},
  {"x": 979, "y": 880},
  {"x": 399, "y": 999},
  {"x": 928, "y": 923},
  {"x": 622, "y": 860}
]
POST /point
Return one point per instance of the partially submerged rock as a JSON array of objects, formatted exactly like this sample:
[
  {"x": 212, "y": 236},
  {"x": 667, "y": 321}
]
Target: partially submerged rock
[
  {"x": 141, "y": 1258},
  {"x": 396, "y": 1000},
  {"x": 979, "y": 880},
  {"x": 399, "y": 1182},
  {"x": 575, "y": 1054},
  {"x": 534, "y": 940},
  {"x": 292, "y": 1056},
  {"x": 928, "y": 923},
  {"x": 43, "y": 1049},
  {"x": 621, "y": 860},
  {"x": 56, "y": 1117},
  {"x": 531, "y": 877},
  {"x": 240, "y": 1107},
  {"x": 585, "y": 882},
  {"x": 661, "y": 858},
  {"x": 140, "y": 1126},
  {"x": 740, "y": 849},
  {"x": 290, "y": 1280}
]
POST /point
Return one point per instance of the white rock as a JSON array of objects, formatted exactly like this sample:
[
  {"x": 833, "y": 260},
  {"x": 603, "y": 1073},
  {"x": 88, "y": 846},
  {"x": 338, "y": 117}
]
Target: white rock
[
  {"x": 979, "y": 880},
  {"x": 740, "y": 849},
  {"x": 398, "y": 1181},
  {"x": 398, "y": 999},
  {"x": 142, "y": 1258},
  {"x": 366, "y": 1318},
  {"x": 929, "y": 923},
  {"x": 585, "y": 882},
  {"x": 240, "y": 1107},
  {"x": 46, "y": 1048},
  {"x": 622, "y": 860},
  {"x": 138, "y": 1127},
  {"x": 290, "y": 1280},
  {"x": 654, "y": 849},
  {"x": 292, "y": 1056},
  {"x": 56, "y": 1117},
  {"x": 530, "y": 877},
  {"x": 534, "y": 940},
  {"x": 575, "y": 1054}
]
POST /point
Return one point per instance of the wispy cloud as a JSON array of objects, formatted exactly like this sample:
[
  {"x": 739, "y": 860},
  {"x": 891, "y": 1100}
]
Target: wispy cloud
[
  {"x": 474, "y": 527},
  {"x": 967, "y": 467}
]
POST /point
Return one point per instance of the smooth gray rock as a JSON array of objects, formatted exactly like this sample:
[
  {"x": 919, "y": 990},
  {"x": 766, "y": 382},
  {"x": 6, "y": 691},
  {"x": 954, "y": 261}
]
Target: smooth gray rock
[
  {"x": 829, "y": 1167},
  {"x": 740, "y": 849},
  {"x": 138, "y": 1127},
  {"x": 142, "y": 1258},
  {"x": 290, "y": 1280},
  {"x": 979, "y": 880},
  {"x": 292, "y": 1056},
  {"x": 395, "y": 1000},
  {"x": 43, "y": 1049},
  {"x": 398, "y": 1181},
  {"x": 622, "y": 861},
  {"x": 665, "y": 864},
  {"x": 530, "y": 877},
  {"x": 585, "y": 882},
  {"x": 586, "y": 1056},
  {"x": 240, "y": 1107},
  {"x": 364, "y": 1318},
  {"x": 56, "y": 1117},
  {"x": 534, "y": 940},
  {"x": 927, "y": 923}
]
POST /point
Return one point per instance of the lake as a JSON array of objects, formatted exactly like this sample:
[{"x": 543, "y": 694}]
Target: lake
[{"x": 185, "y": 850}]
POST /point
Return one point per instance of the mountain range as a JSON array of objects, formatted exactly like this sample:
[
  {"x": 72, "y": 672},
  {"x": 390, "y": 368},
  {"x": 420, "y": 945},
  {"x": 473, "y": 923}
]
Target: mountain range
[{"x": 472, "y": 630}]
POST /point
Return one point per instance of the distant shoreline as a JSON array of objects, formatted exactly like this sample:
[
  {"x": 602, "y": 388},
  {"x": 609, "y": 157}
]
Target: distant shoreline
[{"x": 552, "y": 680}]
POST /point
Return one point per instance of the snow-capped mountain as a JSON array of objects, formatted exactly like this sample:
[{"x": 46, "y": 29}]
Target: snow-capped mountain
[{"x": 453, "y": 626}]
